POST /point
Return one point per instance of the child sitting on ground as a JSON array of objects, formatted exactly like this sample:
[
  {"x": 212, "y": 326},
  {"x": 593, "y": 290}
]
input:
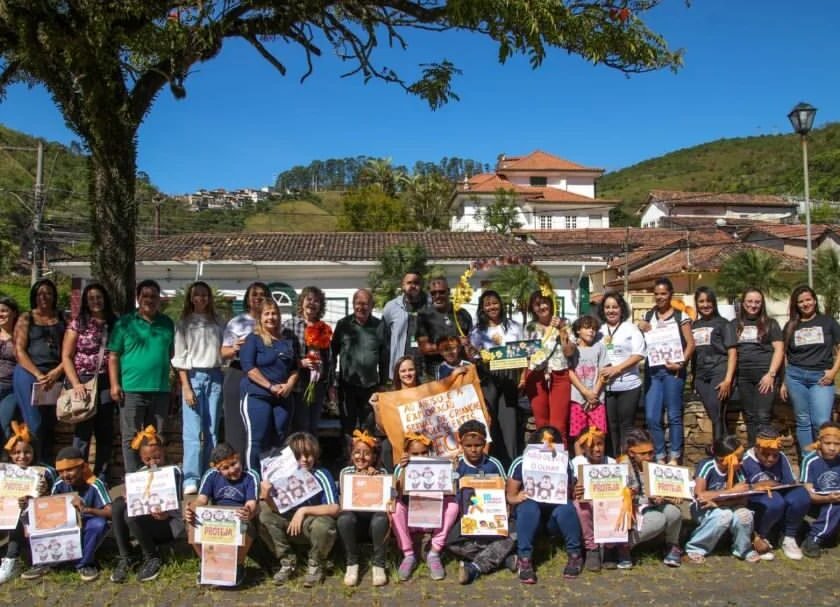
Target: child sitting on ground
[
  {"x": 821, "y": 475},
  {"x": 312, "y": 522},
  {"x": 587, "y": 407}
]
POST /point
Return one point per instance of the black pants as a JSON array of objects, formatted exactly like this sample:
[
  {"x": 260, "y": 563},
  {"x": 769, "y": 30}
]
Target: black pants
[
  {"x": 148, "y": 531},
  {"x": 507, "y": 426},
  {"x": 101, "y": 427},
  {"x": 487, "y": 553},
  {"x": 758, "y": 407},
  {"x": 621, "y": 416},
  {"x": 233, "y": 428},
  {"x": 705, "y": 385},
  {"x": 356, "y": 411},
  {"x": 355, "y": 525}
]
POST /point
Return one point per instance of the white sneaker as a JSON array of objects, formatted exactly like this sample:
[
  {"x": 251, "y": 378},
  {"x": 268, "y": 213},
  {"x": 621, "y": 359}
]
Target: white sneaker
[
  {"x": 9, "y": 569},
  {"x": 379, "y": 577},
  {"x": 791, "y": 549},
  {"x": 351, "y": 576}
]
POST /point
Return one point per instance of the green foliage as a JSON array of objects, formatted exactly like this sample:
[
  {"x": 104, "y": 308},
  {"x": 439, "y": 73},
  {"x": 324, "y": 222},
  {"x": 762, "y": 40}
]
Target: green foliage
[
  {"x": 380, "y": 173},
  {"x": 174, "y": 306},
  {"x": 500, "y": 216},
  {"x": 515, "y": 284},
  {"x": 824, "y": 213},
  {"x": 427, "y": 198},
  {"x": 372, "y": 210},
  {"x": 827, "y": 279},
  {"x": 17, "y": 287},
  {"x": 752, "y": 268},
  {"x": 385, "y": 282}
]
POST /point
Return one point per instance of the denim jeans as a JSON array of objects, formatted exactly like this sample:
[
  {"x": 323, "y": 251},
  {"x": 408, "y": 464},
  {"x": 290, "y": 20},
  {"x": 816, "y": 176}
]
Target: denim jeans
[
  {"x": 713, "y": 523},
  {"x": 812, "y": 402},
  {"x": 8, "y": 408},
  {"x": 201, "y": 422},
  {"x": 39, "y": 419},
  {"x": 560, "y": 519},
  {"x": 664, "y": 391}
]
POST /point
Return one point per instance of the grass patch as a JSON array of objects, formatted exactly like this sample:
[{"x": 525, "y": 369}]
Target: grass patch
[{"x": 293, "y": 216}]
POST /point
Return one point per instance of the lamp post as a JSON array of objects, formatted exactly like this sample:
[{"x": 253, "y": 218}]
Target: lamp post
[{"x": 802, "y": 119}]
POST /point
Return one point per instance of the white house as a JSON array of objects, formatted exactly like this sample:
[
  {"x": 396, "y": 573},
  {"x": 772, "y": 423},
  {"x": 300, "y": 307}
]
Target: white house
[
  {"x": 665, "y": 208},
  {"x": 551, "y": 193}
]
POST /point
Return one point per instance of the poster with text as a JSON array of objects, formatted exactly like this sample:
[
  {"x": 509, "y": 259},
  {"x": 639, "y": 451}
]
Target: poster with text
[
  {"x": 605, "y": 516},
  {"x": 667, "y": 481},
  {"x": 151, "y": 491},
  {"x": 20, "y": 482},
  {"x": 9, "y": 512},
  {"x": 425, "y": 511},
  {"x": 218, "y": 525},
  {"x": 56, "y": 546},
  {"x": 484, "y": 507},
  {"x": 545, "y": 474},
  {"x": 218, "y": 564},
  {"x": 52, "y": 513},
  {"x": 428, "y": 474},
  {"x": 513, "y": 355},
  {"x": 603, "y": 481},
  {"x": 664, "y": 344},
  {"x": 292, "y": 485},
  {"x": 366, "y": 492}
]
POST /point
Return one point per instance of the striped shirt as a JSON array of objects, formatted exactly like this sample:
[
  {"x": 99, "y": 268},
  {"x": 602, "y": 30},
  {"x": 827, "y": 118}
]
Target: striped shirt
[
  {"x": 823, "y": 475},
  {"x": 93, "y": 495},
  {"x": 715, "y": 477},
  {"x": 755, "y": 472}
]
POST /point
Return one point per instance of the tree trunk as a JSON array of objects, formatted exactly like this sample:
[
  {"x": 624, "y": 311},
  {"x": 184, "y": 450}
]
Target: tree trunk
[{"x": 114, "y": 219}]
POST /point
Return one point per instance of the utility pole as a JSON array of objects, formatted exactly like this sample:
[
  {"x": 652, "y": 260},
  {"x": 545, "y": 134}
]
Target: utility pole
[
  {"x": 38, "y": 213},
  {"x": 627, "y": 263}
]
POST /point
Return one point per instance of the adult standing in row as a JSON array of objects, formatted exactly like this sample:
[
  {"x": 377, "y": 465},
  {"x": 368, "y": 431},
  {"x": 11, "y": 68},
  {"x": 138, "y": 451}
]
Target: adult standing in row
[
  {"x": 761, "y": 352},
  {"x": 625, "y": 350},
  {"x": 85, "y": 356},
  {"x": 38, "y": 338},
  {"x": 198, "y": 360},
  {"x": 440, "y": 320},
  {"x": 400, "y": 318},
  {"x": 811, "y": 349},
  {"x": 140, "y": 349},
  {"x": 238, "y": 328},
  {"x": 8, "y": 317}
]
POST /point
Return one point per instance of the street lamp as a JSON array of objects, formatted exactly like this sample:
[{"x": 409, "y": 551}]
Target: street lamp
[{"x": 802, "y": 120}]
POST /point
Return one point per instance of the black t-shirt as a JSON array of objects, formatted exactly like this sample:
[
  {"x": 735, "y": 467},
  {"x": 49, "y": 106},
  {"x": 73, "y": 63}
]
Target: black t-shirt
[
  {"x": 712, "y": 340},
  {"x": 756, "y": 352},
  {"x": 434, "y": 325},
  {"x": 811, "y": 346}
]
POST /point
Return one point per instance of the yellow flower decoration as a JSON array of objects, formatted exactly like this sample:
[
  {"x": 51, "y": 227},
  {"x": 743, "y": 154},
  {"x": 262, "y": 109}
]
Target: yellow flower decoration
[{"x": 462, "y": 294}]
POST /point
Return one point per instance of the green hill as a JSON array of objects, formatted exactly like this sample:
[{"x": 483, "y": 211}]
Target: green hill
[
  {"x": 769, "y": 164},
  {"x": 292, "y": 216}
]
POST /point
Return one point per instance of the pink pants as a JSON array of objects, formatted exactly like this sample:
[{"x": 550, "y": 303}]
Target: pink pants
[
  {"x": 584, "y": 511},
  {"x": 399, "y": 521},
  {"x": 580, "y": 420}
]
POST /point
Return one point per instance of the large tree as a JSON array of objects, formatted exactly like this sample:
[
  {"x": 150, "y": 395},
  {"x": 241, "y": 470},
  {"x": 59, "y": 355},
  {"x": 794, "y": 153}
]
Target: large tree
[{"x": 106, "y": 61}]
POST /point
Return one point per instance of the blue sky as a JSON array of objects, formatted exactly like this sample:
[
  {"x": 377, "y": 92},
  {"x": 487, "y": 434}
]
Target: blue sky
[{"x": 747, "y": 63}]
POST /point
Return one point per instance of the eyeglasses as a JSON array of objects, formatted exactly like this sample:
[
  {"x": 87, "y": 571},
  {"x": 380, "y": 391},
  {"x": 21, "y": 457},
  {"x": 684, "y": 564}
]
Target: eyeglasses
[{"x": 444, "y": 292}]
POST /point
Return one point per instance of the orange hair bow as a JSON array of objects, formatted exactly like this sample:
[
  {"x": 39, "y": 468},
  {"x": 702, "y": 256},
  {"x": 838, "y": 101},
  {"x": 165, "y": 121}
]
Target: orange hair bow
[
  {"x": 590, "y": 436},
  {"x": 732, "y": 463},
  {"x": 149, "y": 433},
  {"x": 769, "y": 443},
  {"x": 20, "y": 432},
  {"x": 410, "y": 437},
  {"x": 363, "y": 437}
]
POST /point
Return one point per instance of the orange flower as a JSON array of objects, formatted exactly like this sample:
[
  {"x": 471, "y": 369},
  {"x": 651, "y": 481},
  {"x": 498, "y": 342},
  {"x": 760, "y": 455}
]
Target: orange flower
[{"x": 318, "y": 335}]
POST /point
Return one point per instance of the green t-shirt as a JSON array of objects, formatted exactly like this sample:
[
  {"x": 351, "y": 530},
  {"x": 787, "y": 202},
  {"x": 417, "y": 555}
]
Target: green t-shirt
[{"x": 144, "y": 349}]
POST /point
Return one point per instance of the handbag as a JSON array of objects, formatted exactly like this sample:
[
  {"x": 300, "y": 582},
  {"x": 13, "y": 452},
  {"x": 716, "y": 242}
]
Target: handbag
[{"x": 70, "y": 408}]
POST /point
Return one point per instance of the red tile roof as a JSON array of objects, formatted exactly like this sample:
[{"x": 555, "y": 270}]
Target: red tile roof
[
  {"x": 793, "y": 232},
  {"x": 539, "y": 161},
  {"x": 678, "y": 198},
  {"x": 488, "y": 183}
]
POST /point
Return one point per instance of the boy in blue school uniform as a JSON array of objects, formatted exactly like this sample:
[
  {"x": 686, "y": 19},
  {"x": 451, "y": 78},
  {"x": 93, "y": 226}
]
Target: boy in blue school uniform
[
  {"x": 313, "y": 522},
  {"x": 821, "y": 475},
  {"x": 479, "y": 554}
]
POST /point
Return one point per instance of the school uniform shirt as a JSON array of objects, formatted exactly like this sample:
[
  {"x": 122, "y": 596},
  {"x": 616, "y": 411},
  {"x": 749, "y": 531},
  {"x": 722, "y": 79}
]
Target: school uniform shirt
[
  {"x": 811, "y": 347},
  {"x": 755, "y": 472},
  {"x": 587, "y": 364},
  {"x": 488, "y": 465},
  {"x": 754, "y": 351},
  {"x": 444, "y": 369},
  {"x": 712, "y": 339},
  {"x": 276, "y": 361},
  {"x": 328, "y": 493},
  {"x": 222, "y": 492},
  {"x": 93, "y": 494},
  {"x": 822, "y": 474},
  {"x": 621, "y": 343},
  {"x": 714, "y": 476},
  {"x": 581, "y": 460}
]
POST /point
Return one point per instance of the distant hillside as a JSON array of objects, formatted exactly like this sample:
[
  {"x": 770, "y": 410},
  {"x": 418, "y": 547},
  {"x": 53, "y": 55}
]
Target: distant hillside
[{"x": 770, "y": 164}]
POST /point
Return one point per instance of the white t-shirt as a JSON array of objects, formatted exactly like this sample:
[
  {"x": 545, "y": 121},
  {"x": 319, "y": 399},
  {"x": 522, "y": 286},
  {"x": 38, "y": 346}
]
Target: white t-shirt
[{"x": 624, "y": 341}]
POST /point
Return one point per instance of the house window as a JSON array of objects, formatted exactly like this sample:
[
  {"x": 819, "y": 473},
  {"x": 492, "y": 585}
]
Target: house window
[
  {"x": 571, "y": 222},
  {"x": 545, "y": 222},
  {"x": 596, "y": 221},
  {"x": 538, "y": 182}
]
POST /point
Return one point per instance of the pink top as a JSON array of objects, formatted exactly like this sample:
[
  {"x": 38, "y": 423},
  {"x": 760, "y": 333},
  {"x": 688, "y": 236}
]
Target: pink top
[{"x": 87, "y": 347}]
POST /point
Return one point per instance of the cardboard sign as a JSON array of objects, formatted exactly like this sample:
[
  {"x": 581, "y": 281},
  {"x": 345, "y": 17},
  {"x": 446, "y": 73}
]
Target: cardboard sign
[
  {"x": 151, "y": 491},
  {"x": 428, "y": 474},
  {"x": 218, "y": 564},
  {"x": 605, "y": 515},
  {"x": 425, "y": 511},
  {"x": 603, "y": 481},
  {"x": 217, "y": 525},
  {"x": 9, "y": 512},
  {"x": 664, "y": 344},
  {"x": 484, "y": 507},
  {"x": 667, "y": 481},
  {"x": 513, "y": 355},
  {"x": 20, "y": 482},
  {"x": 52, "y": 513},
  {"x": 434, "y": 409},
  {"x": 292, "y": 485},
  {"x": 366, "y": 492},
  {"x": 545, "y": 474},
  {"x": 56, "y": 547}
]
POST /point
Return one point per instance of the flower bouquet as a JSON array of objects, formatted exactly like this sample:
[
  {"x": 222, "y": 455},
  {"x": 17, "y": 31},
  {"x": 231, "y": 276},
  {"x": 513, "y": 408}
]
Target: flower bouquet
[{"x": 316, "y": 337}]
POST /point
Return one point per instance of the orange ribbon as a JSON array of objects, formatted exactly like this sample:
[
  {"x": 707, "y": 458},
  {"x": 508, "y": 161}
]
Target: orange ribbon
[
  {"x": 20, "y": 432},
  {"x": 640, "y": 448},
  {"x": 410, "y": 437},
  {"x": 547, "y": 439},
  {"x": 769, "y": 443},
  {"x": 732, "y": 463},
  {"x": 70, "y": 463},
  {"x": 824, "y": 433},
  {"x": 627, "y": 515},
  {"x": 364, "y": 437},
  {"x": 590, "y": 436},
  {"x": 148, "y": 433}
]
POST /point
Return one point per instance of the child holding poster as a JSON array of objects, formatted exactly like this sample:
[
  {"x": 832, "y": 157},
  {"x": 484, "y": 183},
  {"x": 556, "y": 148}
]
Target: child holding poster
[
  {"x": 417, "y": 445},
  {"x": 91, "y": 499},
  {"x": 21, "y": 454},
  {"x": 227, "y": 484},
  {"x": 364, "y": 455},
  {"x": 312, "y": 522},
  {"x": 559, "y": 519},
  {"x": 151, "y": 529}
]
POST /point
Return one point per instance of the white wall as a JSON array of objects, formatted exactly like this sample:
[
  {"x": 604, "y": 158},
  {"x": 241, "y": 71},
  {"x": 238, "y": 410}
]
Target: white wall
[{"x": 653, "y": 213}]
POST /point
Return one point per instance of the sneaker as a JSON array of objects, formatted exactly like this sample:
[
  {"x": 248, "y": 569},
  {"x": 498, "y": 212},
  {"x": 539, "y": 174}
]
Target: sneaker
[
  {"x": 284, "y": 574},
  {"x": 695, "y": 557},
  {"x": 811, "y": 548},
  {"x": 573, "y": 566},
  {"x": 378, "y": 576},
  {"x": 527, "y": 575},
  {"x": 433, "y": 562},
  {"x": 791, "y": 549},
  {"x": 610, "y": 560},
  {"x": 149, "y": 570},
  {"x": 36, "y": 572},
  {"x": 511, "y": 563},
  {"x": 593, "y": 560},
  {"x": 88, "y": 573},
  {"x": 625, "y": 560},
  {"x": 674, "y": 557},
  {"x": 761, "y": 545},
  {"x": 351, "y": 576},
  {"x": 406, "y": 568},
  {"x": 468, "y": 573},
  {"x": 240, "y": 575},
  {"x": 751, "y": 556},
  {"x": 9, "y": 569},
  {"x": 120, "y": 572},
  {"x": 190, "y": 488},
  {"x": 314, "y": 575}
]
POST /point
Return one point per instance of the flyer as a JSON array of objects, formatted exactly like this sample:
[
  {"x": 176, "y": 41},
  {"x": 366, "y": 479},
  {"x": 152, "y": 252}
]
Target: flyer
[
  {"x": 217, "y": 525},
  {"x": 56, "y": 546},
  {"x": 428, "y": 474},
  {"x": 603, "y": 481},
  {"x": 20, "y": 482},
  {"x": 151, "y": 491},
  {"x": 218, "y": 564},
  {"x": 292, "y": 484},
  {"x": 483, "y": 506},
  {"x": 667, "y": 481},
  {"x": 545, "y": 473},
  {"x": 366, "y": 492},
  {"x": 664, "y": 344},
  {"x": 425, "y": 511},
  {"x": 9, "y": 512},
  {"x": 42, "y": 396},
  {"x": 605, "y": 515},
  {"x": 513, "y": 355},
  {"x": 52, "y": 513}
]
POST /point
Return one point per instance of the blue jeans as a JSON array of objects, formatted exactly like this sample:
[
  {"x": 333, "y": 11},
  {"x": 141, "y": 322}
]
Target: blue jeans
[
  {"x": 8, "y": 408},
  {"x": 713, "y": 523},
  {"x": 560, "y": 519},
  {"x": 201, "y": 421},
  {"x": 812, "y": 402},
  {"x": 664, "y": 391},
  {"x": 40, "y": 420},
  {"x": 265, "y": 426},
  {"x": 94, "y": 529},
  {"x": 791, "y": 505}
]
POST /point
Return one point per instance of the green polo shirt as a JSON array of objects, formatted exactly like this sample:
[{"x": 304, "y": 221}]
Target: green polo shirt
[{"x": 145, "y": 349}]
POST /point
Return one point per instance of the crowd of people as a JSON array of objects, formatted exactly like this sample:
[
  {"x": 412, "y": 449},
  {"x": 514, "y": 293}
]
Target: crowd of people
[{"x": 260, "y": 382}]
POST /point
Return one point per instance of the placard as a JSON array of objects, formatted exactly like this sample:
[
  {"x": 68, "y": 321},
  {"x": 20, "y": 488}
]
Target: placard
[
  {"x": 9, "y": 512},
  {"x": 151, "y": 491},
  {"x": 425, "y": 511},
  {"x": 366, "y": 492},
  {"x": 513, "y": 355},
  {"x": 428, "y": 474},
  {"x": 42, "y": 396},
  {"x": 664, "y": 344},
  {"x": 605, "y": 515},
  {"x": 56, "y": 546},
  {"x": 218, "y": 525},
  {"x": 484, "y": 506},
  {"x": 52, "y": 513},
  {"x": 292, "y": 484},
  {"x": 603, "y": 481},
  {"x": 20, "y": 482},
  {"x": 545, "y": 474},
  {"x": 667, "y": 481},
  {"x": 218, "y": 564},
  {"x": 434, "y": 409}
]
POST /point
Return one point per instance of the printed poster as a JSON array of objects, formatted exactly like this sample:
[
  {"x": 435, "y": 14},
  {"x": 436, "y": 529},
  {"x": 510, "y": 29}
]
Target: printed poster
[
  {"x": 603, "y": 481},
  {"x": 664, "y": 344},
  {"x": 667, "y": 481},
  {"x": 434, "y": 409},
  {"x": 484, "y": 507},
  {"x": 545, "y": 474},
  {"x": 425, "y": 511},
  {"x": 428, "y": 474},
  {"x": 20, "y": 482},
  {"x": 42, "y": 396},
  {"x": 218, "y": 525},
  {"x": 9, "y": 512},
  {"x": 292, "y": 484},
  {"x": 513, "y": 355},
  {"x": 56, "y": 546},
  {"x": 366, "y": 492},
  {"x": 218, "y": 564},
  {"x": 605, "y": 515},
  {"x": 151, "y": 491},
  {"x": 52, "y": 513}
]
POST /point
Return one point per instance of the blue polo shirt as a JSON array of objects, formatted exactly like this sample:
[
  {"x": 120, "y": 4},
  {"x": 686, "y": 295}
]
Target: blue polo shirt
[
  {"x": 222, "y": 492},
  {"x": 754, "y": 472},
  {"x": 823, "y": 474}
]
